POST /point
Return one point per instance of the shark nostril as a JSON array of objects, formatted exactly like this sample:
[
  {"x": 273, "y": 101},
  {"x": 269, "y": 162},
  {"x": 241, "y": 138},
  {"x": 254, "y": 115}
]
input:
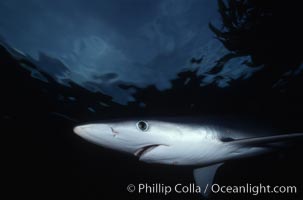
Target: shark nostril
[{"x": 115, "y": 133}]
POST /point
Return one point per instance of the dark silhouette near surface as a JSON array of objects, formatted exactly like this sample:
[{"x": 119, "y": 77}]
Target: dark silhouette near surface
[
  {"x": 196, "y": 60},
  {"x": 267, "y": 31}
]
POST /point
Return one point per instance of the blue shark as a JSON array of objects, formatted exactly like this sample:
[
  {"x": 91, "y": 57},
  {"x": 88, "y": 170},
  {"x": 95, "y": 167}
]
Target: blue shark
[{"x": 181, "y": 142}]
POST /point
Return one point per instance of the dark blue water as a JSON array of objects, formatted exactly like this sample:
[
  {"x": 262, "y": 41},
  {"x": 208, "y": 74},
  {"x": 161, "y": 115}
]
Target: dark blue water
[{"x": 39, "y": 111}]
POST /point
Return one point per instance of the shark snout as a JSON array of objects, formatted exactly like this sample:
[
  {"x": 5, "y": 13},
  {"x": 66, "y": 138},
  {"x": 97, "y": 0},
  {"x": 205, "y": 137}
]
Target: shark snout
[
  {"x": 80, "y": 130},
  {"x": 95, "y": 132}
]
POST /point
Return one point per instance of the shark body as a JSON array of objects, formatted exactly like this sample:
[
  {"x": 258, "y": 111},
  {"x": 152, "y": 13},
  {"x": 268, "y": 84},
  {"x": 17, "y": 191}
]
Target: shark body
[{"x": 181, "y": 142}]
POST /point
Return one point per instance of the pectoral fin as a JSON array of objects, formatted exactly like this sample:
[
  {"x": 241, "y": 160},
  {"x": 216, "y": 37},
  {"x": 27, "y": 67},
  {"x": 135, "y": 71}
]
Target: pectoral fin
[
  {"x": 204, "y": 177},
  {"x": 268, "y": 140}
]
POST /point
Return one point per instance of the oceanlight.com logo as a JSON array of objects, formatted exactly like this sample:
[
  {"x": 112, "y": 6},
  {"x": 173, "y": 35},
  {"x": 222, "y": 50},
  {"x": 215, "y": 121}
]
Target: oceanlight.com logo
[
  {"x": 252, "y": 189},
  {"x": 159, "y": 188}
]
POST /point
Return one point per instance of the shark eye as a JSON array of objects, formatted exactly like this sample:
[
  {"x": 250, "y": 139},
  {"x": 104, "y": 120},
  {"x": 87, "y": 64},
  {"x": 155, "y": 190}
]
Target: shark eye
[{"x": 142, "y": 125}]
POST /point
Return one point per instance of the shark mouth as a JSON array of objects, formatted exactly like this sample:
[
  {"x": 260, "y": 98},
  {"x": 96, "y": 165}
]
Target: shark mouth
[{"x": 143, "y": 150}]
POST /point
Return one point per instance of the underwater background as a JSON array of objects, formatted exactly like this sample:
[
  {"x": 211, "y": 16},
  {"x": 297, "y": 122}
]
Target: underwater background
[{"x": 72, "y": 62}]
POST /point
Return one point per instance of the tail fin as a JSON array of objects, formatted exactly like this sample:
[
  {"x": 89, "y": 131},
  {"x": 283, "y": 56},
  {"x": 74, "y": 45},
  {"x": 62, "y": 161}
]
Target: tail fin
[{"x": 268, "y": 139}]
